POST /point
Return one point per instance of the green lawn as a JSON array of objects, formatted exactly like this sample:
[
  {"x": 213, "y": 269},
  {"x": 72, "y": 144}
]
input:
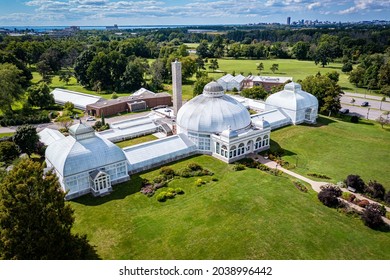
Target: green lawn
[
  {"x": 136, "y": 141},
  {"x": 337, "y": 148},
  {"x": 244, "y": 215},
  {"x": 6, "y": 134}
]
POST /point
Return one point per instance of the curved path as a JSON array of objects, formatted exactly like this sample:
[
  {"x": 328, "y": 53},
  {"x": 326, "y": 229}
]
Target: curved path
[{"x": 315, "y": 184}]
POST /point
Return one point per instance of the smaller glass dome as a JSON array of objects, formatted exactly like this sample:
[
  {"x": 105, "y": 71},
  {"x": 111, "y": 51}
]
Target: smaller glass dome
[
  {"x": 263, "y": 124},
  {"x": 213, "y": 89},
  {"x": 229, "y": 133}
]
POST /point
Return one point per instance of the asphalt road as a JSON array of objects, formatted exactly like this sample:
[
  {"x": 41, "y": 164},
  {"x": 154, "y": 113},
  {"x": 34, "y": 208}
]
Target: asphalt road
[{"x": 372, "y": 112}]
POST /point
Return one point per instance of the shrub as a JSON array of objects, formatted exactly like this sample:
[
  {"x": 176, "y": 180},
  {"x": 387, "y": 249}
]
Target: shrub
[
  {"x": 348, "y": 196},
  {"x": 321, "y": 176},
  {"x": 263, "y": 167},
  {"x": 179, "y": 191},
  {"x": 194, "y": 166},
  {"x": 147, "y": 190},
  {"x": 159, "y": 179},
  {"x": 184, "y": 172},
  {"x": 214, "y": 179},
  {"x": 8, "y": 151},
  {"x": 199, "y": 182},
  {"x": 363, "y": 203},
  {"x": 170, "y": 195},
  {"x": 248, "y": 162},
  {"x": 161, "y": 196},
  {"x": 300, "y": 186},
  {"x": 354, "y": 181},
  {"x": 376, "y": 190},
  {"x": 354, "y": 119},
  {"x": 238, "y": 167},
  {"x": 372, "y": 217},
  {"x": 329, "y": 195},
  {"x": 167, "y": 172}
]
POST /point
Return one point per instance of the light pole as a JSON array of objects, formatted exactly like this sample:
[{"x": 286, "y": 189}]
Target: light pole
[{"x": 368, "y": 111}]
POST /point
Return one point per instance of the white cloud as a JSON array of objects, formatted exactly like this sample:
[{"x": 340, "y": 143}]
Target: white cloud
[{"x": 366, "y": 6}]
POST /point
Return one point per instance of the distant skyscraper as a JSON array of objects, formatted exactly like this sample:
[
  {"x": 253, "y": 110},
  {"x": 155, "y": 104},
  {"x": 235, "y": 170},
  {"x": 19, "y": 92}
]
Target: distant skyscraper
[
  {"x": 176, "y": 86},
  {"x": 288, "y": 20}
]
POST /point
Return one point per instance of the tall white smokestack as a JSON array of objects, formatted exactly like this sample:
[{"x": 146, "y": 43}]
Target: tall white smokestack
[{"x": 176, "y": 86}]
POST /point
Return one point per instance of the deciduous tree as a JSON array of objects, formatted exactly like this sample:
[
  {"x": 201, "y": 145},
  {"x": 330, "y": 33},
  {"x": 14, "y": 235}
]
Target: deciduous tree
[
  {"x": 39, "y": 95},
  {"x": 26, "y": 138},
  {"x": 35, "y": 221},
  {"x": 10, "y": 86}
]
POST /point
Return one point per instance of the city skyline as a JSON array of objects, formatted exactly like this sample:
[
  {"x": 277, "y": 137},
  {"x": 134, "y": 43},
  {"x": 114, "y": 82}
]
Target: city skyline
[{"x": 149, "y": 12}]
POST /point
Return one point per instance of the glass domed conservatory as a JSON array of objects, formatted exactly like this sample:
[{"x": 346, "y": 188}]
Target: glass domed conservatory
[
  {"x": 85, "y": 162},
  {"x": 221, "y": 126}
]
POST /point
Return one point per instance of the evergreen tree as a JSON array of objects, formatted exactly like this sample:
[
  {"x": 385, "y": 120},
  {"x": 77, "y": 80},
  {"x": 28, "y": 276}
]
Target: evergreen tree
[
  {"x": 26, "y": 138},
  {"x": 35, "y": 221}
]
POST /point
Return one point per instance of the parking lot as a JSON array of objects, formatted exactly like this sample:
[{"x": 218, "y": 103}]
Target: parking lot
[{"x": 372, "y": 111}]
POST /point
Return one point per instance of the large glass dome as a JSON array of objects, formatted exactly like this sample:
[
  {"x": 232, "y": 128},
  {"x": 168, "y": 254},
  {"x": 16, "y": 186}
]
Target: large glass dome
[{"x": 212, "y": 112}]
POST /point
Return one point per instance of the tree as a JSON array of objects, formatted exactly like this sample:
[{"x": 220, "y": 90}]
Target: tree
[
  {"x": 203, "y": 49},
  {"x": 274, "y": 67},
  {"x": 387, "y": 197},
  {"x": 256, "y": 92},
  {"x": 372, "y": 216},
  {"x": 300, "y": 50},
  {"x": 25, "y": 75},
  {"x": 385, "y": 90},
  {"x": 200, "y": 84},
  {"x": 327, "y": 50},
  {"x": 188, "y": 67},
  {"x": 65, "y": 76},
  {"x": 35, "y": 221},
  {"x": 133, "y": 77},
  {"x": 260, "y": 67},
  {"x": 65, "y": 122},
  {"x": 8, "y": 151},
  {"x": 10, "y": 86},
  {"x": 158, "y": 73},
  {"x": 354, "y": 181},
  {"x": 39, "y": 95},
  {"x": 375, "y": 189},
  {"x": 213, "y": 64},
  {"x": 382, "y": 120},
  {"x": 326, "y": 90},
  {"x": 26, "y": 138},
  {"x": 329, "y": 196},
  {"x": 347, "y": 67}
]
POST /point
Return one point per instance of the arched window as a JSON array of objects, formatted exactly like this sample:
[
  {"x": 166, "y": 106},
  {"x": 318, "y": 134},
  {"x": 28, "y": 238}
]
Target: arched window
[
  {"x": 241, "y": 149},
  {"x": 233, "y": 150},
  {"x": 224, "y": 152},
  {"x": 265, "y": 140},
  {"x": 258, "y": 143}
]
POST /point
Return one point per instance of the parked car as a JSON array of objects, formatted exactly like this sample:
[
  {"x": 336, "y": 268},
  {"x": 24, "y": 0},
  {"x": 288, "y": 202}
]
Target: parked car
[
  {"x": 365, "y": 104},
  {"x": 89, "y": 119},
  {"x": 344, "y": 111}
]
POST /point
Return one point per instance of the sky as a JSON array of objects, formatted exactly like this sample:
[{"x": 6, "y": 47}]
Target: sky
[{"x": 185, "y": 12}]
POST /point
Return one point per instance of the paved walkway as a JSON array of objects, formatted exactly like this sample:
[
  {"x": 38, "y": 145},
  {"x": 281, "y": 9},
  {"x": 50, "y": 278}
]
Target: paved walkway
[{"x": 315, "y": 184}]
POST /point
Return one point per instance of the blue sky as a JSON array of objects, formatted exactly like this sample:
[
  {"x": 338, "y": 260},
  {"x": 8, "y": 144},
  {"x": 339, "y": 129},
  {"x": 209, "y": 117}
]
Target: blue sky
[{"x": 145, "y": 12}]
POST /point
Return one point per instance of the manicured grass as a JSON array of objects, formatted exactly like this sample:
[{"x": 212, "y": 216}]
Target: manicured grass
[
  {"x": 244, "y": 215},
  {"x": 337, "y": 148},
  {"x": 6, "y": 134},
  {"x": 136, "y": 141}
]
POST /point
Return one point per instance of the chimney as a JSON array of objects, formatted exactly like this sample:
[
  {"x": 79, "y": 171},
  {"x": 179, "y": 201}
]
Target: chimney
[{"x": 176, "y": 86}]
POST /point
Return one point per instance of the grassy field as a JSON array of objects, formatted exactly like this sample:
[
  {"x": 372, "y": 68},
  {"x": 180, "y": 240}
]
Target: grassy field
[
  {"x": 6, "y": 134},
  {"x": 244, "y": 215},
  {"x": 337, "y": 148},
  {"x": 136, "y": 141}
]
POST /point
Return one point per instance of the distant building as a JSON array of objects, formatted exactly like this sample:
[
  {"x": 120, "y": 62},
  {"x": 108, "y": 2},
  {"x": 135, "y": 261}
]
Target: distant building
[
  {"x": 288, "y": 20},
  {"x": 229, "y": 82},
  {"x": 139, "y": 101},
  {"x": 266, "y": 81},
  {"x": 115, "y": 27}
]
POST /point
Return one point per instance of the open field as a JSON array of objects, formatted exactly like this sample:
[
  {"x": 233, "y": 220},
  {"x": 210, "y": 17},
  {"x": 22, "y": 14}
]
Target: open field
[
  {"x": 244, "y": 215},
  {"x": 6, "y": 134},
  {"x": 337, "y": 148},
  {"x": 135, "y": 141}
]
